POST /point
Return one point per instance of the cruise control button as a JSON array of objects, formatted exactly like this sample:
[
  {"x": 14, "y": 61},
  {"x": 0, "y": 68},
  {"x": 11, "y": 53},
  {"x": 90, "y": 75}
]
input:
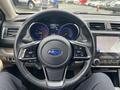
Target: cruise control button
[{"x": 78, "y": 51}]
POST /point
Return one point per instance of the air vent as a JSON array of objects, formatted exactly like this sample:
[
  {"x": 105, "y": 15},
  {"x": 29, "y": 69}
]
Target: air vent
[
  {"x": 96, "y": 26},
  {"x": 10, "y": 32},
  {"x": 115, "y": 26}
]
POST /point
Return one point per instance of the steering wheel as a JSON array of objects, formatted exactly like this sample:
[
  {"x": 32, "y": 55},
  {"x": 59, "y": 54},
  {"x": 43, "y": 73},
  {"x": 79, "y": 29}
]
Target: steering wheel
[{"x": 55, "y": 53}]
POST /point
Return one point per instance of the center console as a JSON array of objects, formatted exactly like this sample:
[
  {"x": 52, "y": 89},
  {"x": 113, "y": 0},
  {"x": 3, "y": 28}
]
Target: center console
[{"x": 107, "y": 50}]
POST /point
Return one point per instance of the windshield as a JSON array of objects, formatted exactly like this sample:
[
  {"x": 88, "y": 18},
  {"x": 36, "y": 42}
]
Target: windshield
[{"x": 76, "y": 6}]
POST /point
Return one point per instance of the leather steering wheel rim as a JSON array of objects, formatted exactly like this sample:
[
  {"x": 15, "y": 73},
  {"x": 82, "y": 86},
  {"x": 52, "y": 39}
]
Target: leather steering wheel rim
[{"x": 23, "y": 31}]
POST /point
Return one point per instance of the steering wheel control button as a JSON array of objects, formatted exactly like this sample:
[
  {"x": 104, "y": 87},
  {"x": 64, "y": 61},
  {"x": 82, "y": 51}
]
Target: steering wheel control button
[
  {"x": 28, "y": 54},
  {"x": 31, "y": 52},
  {"x": 80, "y": 53},
  {"x": 54, "y": 51}
]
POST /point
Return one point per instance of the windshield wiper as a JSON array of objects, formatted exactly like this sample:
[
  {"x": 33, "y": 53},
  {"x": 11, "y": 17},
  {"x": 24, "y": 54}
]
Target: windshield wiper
[
  {"x": 114, "y": 14},
  {"x": 77, "y": 12}
]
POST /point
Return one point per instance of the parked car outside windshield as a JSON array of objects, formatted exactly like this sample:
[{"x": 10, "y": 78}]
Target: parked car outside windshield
[{"x": 77, "y": 6}]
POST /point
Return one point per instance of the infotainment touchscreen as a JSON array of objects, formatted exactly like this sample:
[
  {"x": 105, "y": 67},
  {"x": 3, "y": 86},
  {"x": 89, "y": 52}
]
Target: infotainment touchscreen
[{"x": 108, "y": 44}]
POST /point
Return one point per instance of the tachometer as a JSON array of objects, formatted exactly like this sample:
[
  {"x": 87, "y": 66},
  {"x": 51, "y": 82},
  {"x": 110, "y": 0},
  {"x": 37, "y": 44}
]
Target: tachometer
[
  {"x": 38, "y": 31},
  {"x": 69, "y": 31}
]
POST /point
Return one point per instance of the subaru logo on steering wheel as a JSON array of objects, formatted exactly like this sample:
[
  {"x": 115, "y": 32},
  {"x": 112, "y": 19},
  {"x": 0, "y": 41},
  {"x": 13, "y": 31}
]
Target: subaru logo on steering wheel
[{"x": 55, "y": 52}]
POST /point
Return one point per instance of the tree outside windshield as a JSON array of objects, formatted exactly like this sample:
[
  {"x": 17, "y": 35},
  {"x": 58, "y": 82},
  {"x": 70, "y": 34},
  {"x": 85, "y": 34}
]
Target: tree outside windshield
[{"x": 77, "y": 6}]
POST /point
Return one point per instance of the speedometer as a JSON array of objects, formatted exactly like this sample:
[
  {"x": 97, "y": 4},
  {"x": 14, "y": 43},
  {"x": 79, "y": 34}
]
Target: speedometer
[
  {"x": 38, "y": 31},
  {"x": 69, "y": 31}
]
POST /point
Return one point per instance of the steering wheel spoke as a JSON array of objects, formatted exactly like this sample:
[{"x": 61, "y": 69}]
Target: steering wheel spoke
[
  {"x": 27, "y": 52},
  {"x": 27, "y": 45},
  {"x": 81, "y": 51},
  {"x": 55, "y": 77}
]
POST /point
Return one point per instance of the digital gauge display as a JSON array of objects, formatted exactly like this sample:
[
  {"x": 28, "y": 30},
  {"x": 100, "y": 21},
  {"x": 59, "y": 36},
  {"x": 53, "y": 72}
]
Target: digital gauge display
[
  {"x": 69, "y": 31},
  {"x": 38, "y": 31}
]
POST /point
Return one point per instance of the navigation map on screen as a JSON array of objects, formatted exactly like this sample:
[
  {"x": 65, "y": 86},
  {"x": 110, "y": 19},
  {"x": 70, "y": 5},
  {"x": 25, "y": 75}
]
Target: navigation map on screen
[{"x": 108, "y": 44}]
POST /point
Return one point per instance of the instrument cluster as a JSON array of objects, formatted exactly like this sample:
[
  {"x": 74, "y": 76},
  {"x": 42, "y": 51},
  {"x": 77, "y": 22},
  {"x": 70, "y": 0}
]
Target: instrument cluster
[{"x": 38, "y": 31}]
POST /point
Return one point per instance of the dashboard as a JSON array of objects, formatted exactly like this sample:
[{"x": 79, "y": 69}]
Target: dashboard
[{"x": 105, "y": 29}]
